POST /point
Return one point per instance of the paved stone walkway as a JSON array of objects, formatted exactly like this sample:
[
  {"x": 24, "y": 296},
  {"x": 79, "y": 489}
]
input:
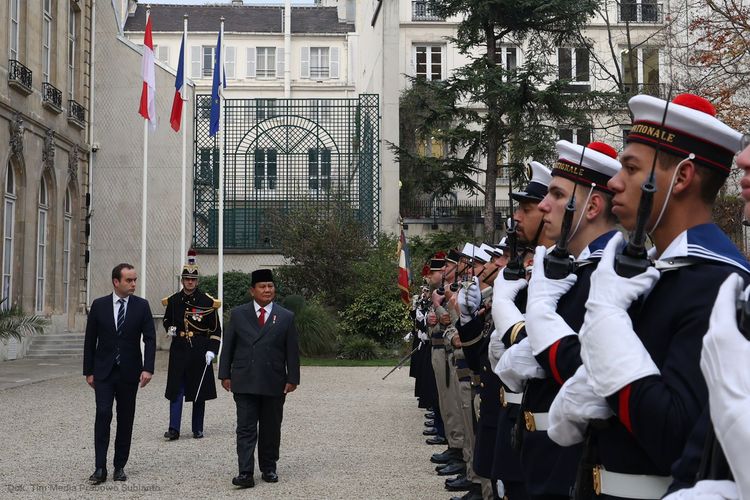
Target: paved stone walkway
[{"x": 346, "y": 434}]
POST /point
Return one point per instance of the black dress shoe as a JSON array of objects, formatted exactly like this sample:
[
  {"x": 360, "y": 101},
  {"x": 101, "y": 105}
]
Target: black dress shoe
[
  {"x": 439, "y": 440},
  {"x": 244, "y": 480},
  {"x": 453, "y": 461},
  {"x": 446, "y": 456},
  {"x": 429, "y": 414},
  {"x": 430, "y": 431},
  {"x": 119, "y": 474},
  {"x": 198, "y": 435},
  {"x": 460, "y": 484},
  {"x": 470, "y": 495},
  {"x": 99, "y": 476},
  {"x": 270, "y": 477},
  {"x": 451, "y": 469},
  {"x": 429, "y": 423},
  {"x": 171, "y": 435}
]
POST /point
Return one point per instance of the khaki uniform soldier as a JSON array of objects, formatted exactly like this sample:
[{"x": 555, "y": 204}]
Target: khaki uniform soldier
[{"x": 191, "y": 319}]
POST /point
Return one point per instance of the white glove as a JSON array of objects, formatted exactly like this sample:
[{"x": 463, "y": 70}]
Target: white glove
[
  {"x": 469, "y": 299},
  {"x": 544, "y": 326},
  {"x": 407, "y": 337},
  {"x": 423, "y": 336},
  {"x": 172, "y": 331},
  {"x": 517, "y": 365},
  {"x": 210, "y": 357},
  {"x": 505, "y": 314},
  {"x": 419, "y": 315},
  {"x": 495, "y": 349},
  {"x": 724, "y": 363},
  {"x": 707, "y": 490},
  {"x": 500, "y": 488},
  {"x": 613, "y": 354},
  {"x": 573, "y": 407}
]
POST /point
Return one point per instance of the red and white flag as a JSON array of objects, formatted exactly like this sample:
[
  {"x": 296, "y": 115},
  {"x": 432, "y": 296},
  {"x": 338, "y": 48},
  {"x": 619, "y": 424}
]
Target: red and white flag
[{"x": 148, "y": 94}]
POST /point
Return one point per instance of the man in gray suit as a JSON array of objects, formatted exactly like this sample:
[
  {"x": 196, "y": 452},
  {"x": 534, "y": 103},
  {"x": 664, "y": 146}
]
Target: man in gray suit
[{"x": 260, "y": 366}]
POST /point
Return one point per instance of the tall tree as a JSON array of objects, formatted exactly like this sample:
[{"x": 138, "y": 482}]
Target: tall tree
[{"x": 492, "y": 108}]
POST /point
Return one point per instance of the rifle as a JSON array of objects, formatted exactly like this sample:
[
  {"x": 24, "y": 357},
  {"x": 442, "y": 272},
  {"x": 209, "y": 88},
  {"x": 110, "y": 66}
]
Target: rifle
[
  {"x": 559, "y": 263},
  {"x": 634, "y": 259},
  {"x": 514, "y": 270},
  {"x": 403, "y": 360}
]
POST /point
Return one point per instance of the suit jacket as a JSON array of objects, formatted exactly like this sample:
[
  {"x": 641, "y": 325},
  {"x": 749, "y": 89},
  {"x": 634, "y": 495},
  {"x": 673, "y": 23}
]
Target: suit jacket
[
  {"x": 260, "y": 360},
  {"x": 102, "y": 342}
]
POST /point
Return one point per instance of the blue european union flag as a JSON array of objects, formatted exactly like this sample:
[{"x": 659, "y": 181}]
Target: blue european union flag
[{"x": 219, "y": 83}]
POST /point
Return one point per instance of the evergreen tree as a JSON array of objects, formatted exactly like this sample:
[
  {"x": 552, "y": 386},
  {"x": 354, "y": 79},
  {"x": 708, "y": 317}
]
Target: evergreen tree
[{"x": 486, "y": 107}]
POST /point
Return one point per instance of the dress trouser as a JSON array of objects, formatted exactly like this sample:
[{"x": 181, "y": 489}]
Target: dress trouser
[
  {"x": 449, "y": 405},
  {"x": 175, "y": 411},
  {"x": 258, "y": 421},
  {"x": 106, "y": 391},
  {"x": 463, "y": 394}
]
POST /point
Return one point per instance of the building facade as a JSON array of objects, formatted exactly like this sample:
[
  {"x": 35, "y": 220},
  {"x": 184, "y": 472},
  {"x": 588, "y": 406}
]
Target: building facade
[{"x": 44, "y": 101}]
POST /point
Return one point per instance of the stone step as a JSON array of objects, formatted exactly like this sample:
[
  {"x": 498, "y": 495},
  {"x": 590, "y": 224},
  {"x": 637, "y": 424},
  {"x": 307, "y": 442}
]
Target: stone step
[
  {"x": 46, "y": 355},
  {"x": 58, "y": 340}
]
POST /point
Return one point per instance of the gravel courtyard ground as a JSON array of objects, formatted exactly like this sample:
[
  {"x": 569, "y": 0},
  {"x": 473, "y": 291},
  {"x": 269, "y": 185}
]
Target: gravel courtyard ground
[{"x": 346, "y": 434}]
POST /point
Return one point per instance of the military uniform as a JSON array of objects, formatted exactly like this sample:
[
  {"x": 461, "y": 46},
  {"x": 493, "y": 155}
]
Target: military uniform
[{"x": 194, "y": 320}]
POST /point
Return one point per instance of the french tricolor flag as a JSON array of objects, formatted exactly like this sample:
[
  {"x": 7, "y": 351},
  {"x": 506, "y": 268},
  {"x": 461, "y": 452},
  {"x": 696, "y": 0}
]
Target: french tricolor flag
[
  {"x": 148, "y": 94},
  {"x": 179, "y": 95}
]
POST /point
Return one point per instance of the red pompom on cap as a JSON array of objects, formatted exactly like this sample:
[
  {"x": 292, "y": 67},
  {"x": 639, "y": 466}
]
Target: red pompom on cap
[
  {"x": 439, "y": 255},
  {"x": 695, "y": 102},
  {"x": 426, "y": 270},
  {"x": 603, "y": 148}
]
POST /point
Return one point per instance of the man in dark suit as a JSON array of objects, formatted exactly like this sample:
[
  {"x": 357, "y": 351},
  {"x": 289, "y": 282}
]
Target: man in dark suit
[
  {"x": 114, "y": 366},
  {"x": 260, "y": 366}
]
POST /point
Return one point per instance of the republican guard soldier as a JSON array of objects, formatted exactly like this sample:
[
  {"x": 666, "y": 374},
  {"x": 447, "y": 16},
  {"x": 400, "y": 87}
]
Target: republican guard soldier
[{"x": 191, "y": 319}]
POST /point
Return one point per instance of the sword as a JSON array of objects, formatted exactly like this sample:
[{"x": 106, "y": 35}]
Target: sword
[
  {"x": 201, "y": 383},
  {"x": 403, "y": 360}
]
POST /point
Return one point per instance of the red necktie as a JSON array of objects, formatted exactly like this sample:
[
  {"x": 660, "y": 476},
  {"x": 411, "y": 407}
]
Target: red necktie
[{"x": 262, "y": 317}]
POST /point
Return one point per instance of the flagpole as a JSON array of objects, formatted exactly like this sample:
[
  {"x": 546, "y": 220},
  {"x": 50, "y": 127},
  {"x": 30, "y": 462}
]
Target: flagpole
[
  {"x": 184, "y": 139},
  {"x": 220, "y": 138},
  {"x": 144, "y": 197}
]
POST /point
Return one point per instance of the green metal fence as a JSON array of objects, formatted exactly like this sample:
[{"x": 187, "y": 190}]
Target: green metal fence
[{"x": 280, "y": 154}]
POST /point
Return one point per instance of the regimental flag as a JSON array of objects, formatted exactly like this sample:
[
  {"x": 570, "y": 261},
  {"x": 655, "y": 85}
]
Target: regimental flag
[
  {"x": 180, "y": 94},
  {"x": 404, "y": 268},
  {"x": 148, "y": 93},
  {"x": 219, "y": 84}
]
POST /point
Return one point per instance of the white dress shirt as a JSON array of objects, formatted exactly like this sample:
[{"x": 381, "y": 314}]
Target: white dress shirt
[
  {"x": 116, "y": 306},
  {"x": 267, "y": 307}
]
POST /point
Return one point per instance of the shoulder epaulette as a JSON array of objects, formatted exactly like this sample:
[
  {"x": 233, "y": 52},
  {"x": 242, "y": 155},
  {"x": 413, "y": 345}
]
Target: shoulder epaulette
[{"x": 217, "y": 302}]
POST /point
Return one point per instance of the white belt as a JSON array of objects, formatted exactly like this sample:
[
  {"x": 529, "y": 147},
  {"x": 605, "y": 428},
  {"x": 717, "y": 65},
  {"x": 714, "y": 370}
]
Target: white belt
[
  {"x": 510, "y": 398},
  {"x": 536, "y": 421},
  {"x": 636, "y": 486}
]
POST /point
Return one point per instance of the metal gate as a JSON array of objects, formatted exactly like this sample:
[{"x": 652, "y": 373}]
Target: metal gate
[{"x": 278, "y": 155}]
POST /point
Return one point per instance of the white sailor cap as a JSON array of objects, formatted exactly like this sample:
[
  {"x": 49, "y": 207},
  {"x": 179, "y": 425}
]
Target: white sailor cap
[
  {"x": 690, "y": 126},
  {"x": 471, "y": 251},
  {"x": 595, "y": 164},
  {"x": 536, "y": 189},
  {"x": 503, "y": 244}
]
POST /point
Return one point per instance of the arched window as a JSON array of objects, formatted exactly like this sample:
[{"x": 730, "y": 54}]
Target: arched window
[
  {"x": 67, "y": 225},
  {"x": 41, "y": 246},
  {"x": 9, "y": 220}
]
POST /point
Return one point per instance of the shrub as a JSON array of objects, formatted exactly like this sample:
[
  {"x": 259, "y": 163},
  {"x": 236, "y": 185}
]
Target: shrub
[
  {"x": 378, "y": 316},
  {"x": 236, "y": 286},
  {"x": 317, "y": 329},
  {"x": 294, "y": 303},
  {"x": 15, "y": 324},
  {"x": 359, "y": 347}
]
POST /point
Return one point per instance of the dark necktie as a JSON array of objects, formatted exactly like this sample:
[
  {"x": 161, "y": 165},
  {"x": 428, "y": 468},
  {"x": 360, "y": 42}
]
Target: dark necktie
[
  {"x": 120, "y": 321},
  {"x": 262, "y": 317}
]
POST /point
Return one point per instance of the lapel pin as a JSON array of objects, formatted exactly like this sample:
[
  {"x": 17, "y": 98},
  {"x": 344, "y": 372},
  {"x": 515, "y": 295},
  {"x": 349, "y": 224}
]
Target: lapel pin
[{"x": 274, "y": 320}]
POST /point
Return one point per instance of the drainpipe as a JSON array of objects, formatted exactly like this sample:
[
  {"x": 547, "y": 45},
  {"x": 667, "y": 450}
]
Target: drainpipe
[
  {"x": 287, "y": 49},
  {"x": 91, "y": 153}
]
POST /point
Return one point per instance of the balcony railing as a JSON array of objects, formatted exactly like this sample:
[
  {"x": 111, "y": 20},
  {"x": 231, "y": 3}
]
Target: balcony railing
[
  {"x": 453, "y": 210},
  {"x": 19, "y": 76},
  {"x": 76, "y": 113},
  {"x": 630, "y": 11},
  {"x": 51, "y": 97},
  {"x": 653, "y": 89},
  {"x": 319, "y": 72},
  {"x": 420, "y": 11}
]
